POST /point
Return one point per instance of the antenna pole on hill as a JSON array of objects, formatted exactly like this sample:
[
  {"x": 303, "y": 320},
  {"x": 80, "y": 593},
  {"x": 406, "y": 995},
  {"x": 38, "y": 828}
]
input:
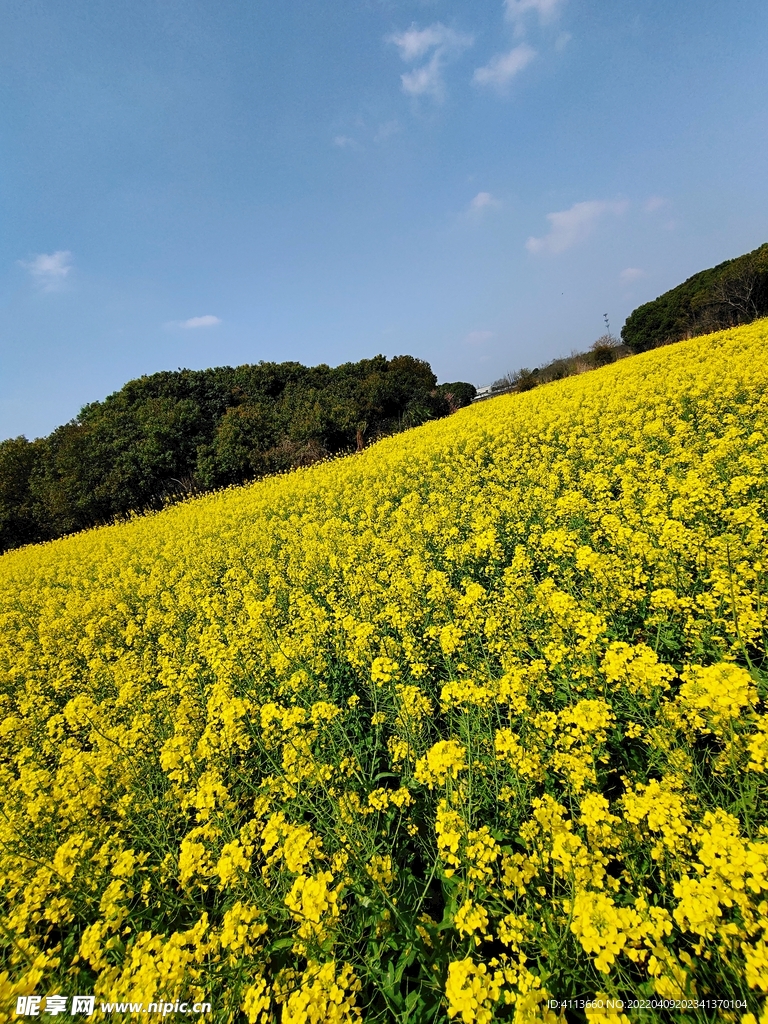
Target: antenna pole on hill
[{"x": 607, "y": 324}]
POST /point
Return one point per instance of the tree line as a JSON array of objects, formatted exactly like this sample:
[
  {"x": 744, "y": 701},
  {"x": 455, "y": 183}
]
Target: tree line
[
  {"x": 606, "y": 349},
  {"x": 175, "y": 433},
  {"x": 732, "y": 293}
]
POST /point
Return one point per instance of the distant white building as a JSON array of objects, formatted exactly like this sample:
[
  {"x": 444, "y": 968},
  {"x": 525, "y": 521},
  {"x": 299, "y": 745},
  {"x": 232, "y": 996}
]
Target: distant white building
[{"x": 484, "y": 392}]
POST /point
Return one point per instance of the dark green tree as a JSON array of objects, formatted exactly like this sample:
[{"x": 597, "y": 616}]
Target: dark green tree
[
  {"x": 457, "y": 395},
  {"x": 174, "y": 433},
  {"x": 17, "y": 520},
  {"x": 732, "y": 293}
]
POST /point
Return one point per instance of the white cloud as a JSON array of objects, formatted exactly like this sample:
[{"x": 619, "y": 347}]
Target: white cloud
[
  {"x": 482, "y": 201},
  {"x": 200, "y": 321},
  {"x": 501, "y": 69},
  {"x": 568, "y": 227},
  {"x": 344, "y": 142},
  {"x": 562, "y": 41},
  {"x": 475, "y": 338},
  {"x": 415, "y": 43},
  {"x": 631, "y": 274},
  {"x": 654, "y": 203},
  {"x": 426, "y": 80},
  {"x": 49, "y": 270},
  {"x": 547, "y": 10}
]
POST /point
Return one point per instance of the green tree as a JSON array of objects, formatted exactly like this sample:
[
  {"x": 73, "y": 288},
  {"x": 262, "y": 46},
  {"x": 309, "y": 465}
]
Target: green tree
[
  {"x": 17, "y": 520},
  {"x": 734, "y": 292},
  {"x": 457, "y": 395},
  {"x": 240, "y": 447},
  {"x": 173, "y": 433}
]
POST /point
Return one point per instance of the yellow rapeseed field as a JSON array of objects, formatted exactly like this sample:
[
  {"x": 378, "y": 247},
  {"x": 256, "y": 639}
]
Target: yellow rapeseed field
[{"x": 460, "y": 728}]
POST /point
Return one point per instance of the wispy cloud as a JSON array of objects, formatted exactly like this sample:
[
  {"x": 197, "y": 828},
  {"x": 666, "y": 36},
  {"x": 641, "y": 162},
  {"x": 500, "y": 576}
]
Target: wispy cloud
[
  {"x": 482, "y": 201},
  {"x": 631, "y": 274},
  {"x": 345, "y": 142},
  {"x": 415, "y": 43},
  {"x": 200, "y": 321},
  {"x": 501, "y": 69},
  {"x": 49, "y": 270},
  {"x": 476, "y": 338},
  {"x": 654, "y": 203},
  {"x": 441, "y": 43},
  {"x": 547, "y": 10},
  {"x": 426, "y": 80},
  {"x": 568, "y": 227}
]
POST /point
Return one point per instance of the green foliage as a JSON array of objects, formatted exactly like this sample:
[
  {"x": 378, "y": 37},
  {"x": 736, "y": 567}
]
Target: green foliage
[
  {"x": 458, "y": 394},
  {"x": 605, "y": 350},
  {"x": 16, "y": 522},
  {"x": 732, "y": 293},
  {"x": 175, "y": 433}
]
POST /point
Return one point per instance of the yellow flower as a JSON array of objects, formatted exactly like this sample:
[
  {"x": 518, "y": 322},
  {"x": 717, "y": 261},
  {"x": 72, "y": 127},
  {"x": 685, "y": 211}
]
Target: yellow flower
[
  {"x": 313, "y": 904},
  {"x": 505, "y": 592},
  {"x": 444, "y": 760},
  {"x": 383, "y": 669},
  {"x": 471, "y": 990},
  {"x": 471, "y": 919},
  {"x": 232, "y": 863},
  {"x": 241, "y": 926},
  {"x": 323, "y": 994}
]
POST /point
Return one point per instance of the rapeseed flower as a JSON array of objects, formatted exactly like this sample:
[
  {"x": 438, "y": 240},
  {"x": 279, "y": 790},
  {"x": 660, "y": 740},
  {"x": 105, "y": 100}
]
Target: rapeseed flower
[{"x": 300, "y": 748}]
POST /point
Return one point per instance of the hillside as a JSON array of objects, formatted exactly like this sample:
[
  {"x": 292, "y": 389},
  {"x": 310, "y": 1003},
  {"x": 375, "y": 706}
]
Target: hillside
[
  {"x": 175, "y": 433},
  {"x": 734, "y": 292},
  {"x": 166, "y": 436},
  {"x": 465, "y": 724}
]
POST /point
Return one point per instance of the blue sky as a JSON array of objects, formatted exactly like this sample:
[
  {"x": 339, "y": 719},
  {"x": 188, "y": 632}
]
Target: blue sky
[{"x": 189, "y": 183}]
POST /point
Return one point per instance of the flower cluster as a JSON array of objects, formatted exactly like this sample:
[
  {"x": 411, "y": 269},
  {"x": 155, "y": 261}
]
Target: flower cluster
[{"x": 469, "y": 722}]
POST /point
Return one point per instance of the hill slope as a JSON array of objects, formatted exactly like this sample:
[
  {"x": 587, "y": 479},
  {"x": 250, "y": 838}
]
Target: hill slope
[
  {"x": 187, "y": 431},
  {"x": 734, "y": 292},
  {"x": 474, "y": 719}
]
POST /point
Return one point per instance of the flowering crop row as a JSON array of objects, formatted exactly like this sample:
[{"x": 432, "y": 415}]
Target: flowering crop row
[{"x": 449, "y": 730}]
